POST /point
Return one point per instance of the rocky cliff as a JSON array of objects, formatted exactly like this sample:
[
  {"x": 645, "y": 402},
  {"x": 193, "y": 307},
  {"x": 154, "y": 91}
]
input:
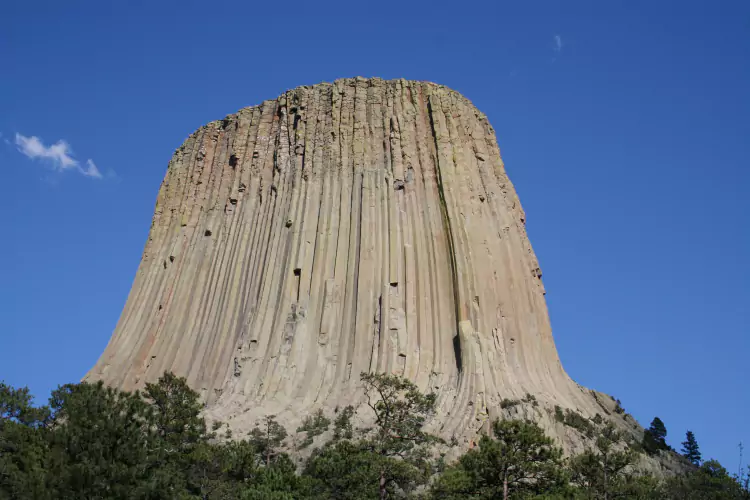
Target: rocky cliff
[{"x": 360, "y": 225}]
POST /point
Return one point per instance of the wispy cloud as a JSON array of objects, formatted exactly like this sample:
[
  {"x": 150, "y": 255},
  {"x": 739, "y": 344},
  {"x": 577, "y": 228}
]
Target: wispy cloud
[
  {"x": 91, "y": 170},
  {"x": 59, "y": 154},
  {"x": 557, "y": 47}
]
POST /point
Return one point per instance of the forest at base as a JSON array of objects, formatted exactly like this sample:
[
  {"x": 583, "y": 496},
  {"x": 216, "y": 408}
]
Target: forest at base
[{"x": 96, "y": 442}]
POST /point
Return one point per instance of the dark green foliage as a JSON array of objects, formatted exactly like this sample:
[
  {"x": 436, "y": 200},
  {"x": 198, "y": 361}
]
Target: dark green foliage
[
  {"x": 658, "y": 430},
  {"x": 176, "y": 412},
  {"x": 17, "y": 405},
  {"x": 400, "y": 413},
  {"x": 267, "y": 438},
  {"x": 509, "y": 403},
  {"x": 559, "y": 415},
  {"x": 654, "y": 437},
  {"x": 708, "y": 482},
  {"x": 24, "y": 449},
  {"x": 181, "y": 433},
  {"x": 391, "y": 459},
  {"x": 342, "y": 425},
  {"x": 95, "y": 442},
  {"x": 313, "y": 425},
  {"x": 607, "y": 470},
  {"x": 690, "y": 449},
  {"x": 353, "y": 471},
  {"x": 618, "y": 407},
  {"x": 520, "y": 459},
  {"x": 636, "y": 445},
  {"x": 102, "y": 442},
  {"x": 398, "y": 438},
  {"x": 236, "y": 470},
  {"x": 577, "y": 421}
]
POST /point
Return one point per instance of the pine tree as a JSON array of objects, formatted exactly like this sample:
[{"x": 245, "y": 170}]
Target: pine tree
[
  {"x": 24, "y": 449},
  {"x": 658, "y": 430},
  {"x": 654, "y": 439},
  {"x": 520, "y": 460},
  {"x": 100, "y": 443},
  {"x": 177, "y": 413},
  {"x": 710, "y": 481},
  {"x": 606, "y": 472},
  {"x": 267, "y": 439},
  {"x": 400, "y": 413},
  {"x": 690, "y": 448}
]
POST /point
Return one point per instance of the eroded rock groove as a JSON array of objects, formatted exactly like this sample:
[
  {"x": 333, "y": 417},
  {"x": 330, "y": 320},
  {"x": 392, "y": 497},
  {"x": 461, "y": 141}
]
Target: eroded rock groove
[{"x": 359, "y": 225}]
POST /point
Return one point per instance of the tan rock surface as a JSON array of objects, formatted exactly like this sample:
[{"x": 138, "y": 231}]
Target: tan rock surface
[{"x": 363, "y": 225}]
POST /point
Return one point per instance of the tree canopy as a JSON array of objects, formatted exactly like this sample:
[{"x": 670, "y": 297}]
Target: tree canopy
[{"x": 95, "y": 442}]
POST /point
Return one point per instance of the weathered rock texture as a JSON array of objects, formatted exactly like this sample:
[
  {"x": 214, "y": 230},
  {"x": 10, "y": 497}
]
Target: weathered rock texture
[{"x": 363, "y": 225}]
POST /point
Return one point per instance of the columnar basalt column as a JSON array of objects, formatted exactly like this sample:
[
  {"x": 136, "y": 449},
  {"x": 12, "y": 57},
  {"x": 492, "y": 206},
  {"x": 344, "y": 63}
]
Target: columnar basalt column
[{"x": 356, "y": 226}]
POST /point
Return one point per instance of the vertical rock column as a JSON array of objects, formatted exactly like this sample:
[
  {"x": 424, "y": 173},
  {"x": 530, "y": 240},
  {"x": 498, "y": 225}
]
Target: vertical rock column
[{"x": 363, "y": 225}]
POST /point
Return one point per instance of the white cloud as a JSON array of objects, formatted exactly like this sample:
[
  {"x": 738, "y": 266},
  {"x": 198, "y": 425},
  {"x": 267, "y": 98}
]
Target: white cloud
[
  {"x": 59, "y": 154},
  {"x": 558, "y": 44},
  {"x": 91, "y": 170}
]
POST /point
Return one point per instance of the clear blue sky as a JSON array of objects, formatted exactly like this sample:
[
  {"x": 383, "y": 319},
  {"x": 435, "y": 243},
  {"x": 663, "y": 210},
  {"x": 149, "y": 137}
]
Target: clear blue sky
[{"x": 625, "y": 127}]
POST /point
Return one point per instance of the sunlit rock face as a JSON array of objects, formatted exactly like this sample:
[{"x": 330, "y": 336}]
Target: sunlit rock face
[{"x": 357, "y": 226}]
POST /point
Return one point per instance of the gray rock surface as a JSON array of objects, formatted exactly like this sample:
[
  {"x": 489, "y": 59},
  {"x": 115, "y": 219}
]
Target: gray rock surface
[{"x": 360, "y": 225}]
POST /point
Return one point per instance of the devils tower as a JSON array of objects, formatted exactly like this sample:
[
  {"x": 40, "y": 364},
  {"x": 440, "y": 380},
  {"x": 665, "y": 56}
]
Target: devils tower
[{"x": 357, "y": 226}]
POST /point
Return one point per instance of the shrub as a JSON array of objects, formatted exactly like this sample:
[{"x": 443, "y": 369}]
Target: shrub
[
  {"x": 559, "y": 415},
  {"x": 579, "y": 422},
  {"x": 618, "y": 408},
  {"x": 508, "y": 403},
  {"x": 342, "y": 425},
  {"x": 314, "y": 425}
]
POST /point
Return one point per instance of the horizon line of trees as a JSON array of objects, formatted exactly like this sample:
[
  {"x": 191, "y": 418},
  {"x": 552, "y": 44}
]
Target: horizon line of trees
[{"x": 96, "y": 442}]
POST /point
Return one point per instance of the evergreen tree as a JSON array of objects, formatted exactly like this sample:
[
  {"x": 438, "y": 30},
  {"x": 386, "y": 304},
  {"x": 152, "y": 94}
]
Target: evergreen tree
[
  {"x": 351, "y": 470},
  {"x": 520, "y": 459},
  {"x": 690, "y": 448},
  {"x": 181, "y": 436},
  {"x": 392, "y": 457},
  {"x": 17, "y": 406},
  {"x": 605, "y": 472},
  {"x": 400, "y": 413},
  {"x": 654, "y": 438},
  {"x": 658, "y": 430},
  {"x": 267, "y": 439},
  {"x": 176, "y": 413},
  {"x": 96, "y": 442},
  {"x": 710, "y": 481},
  {"x": 100, "y": 442},
  {"x": 24, "y": 449},
  {"x": 342, "y": 425}
]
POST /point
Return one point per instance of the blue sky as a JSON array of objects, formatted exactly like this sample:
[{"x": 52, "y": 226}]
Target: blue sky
[{"x": 625, "y": 127}]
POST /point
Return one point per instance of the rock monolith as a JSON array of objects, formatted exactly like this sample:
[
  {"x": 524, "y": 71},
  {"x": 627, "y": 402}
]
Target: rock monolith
[{"x": 357, "y": 226}]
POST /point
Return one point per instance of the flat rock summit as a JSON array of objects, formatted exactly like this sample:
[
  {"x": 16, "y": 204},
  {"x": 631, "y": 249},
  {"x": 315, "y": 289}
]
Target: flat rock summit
[{"x": 363, "y": 225}]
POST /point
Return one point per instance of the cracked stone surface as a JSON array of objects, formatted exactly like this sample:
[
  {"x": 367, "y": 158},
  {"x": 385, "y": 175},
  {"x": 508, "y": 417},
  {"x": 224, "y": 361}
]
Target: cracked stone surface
[{"x": 359, "y": 225}]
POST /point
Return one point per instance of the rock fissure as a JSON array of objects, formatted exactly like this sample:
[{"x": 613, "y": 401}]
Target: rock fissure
[{"x": 451, "y": 248}]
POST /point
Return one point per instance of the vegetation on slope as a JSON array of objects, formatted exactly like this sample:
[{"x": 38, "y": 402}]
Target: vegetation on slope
[{"x": 95, "y": 442}]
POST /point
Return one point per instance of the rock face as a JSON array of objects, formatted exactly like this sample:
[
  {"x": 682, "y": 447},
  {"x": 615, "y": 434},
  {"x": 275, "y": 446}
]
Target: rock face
[{"x": 363, "y": 225}]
